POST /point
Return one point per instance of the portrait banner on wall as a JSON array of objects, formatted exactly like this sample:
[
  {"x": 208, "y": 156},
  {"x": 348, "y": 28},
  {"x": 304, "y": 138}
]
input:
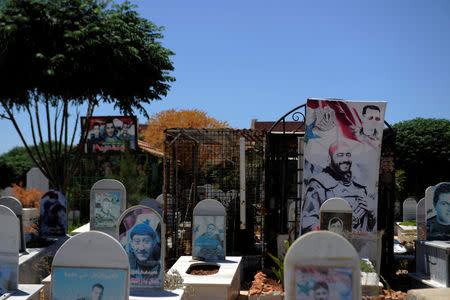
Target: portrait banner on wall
[
  {"x": 437, "y": 205},
  {"x": 107, "y": 208},
  {"x": 336, "y": 222},
  {"x": 88, "y": 284},
  {"x": 53, "y": 206},
  {"x": 110, "y": 134},
  {"x": 342, "y": 158},
  {"x": 209, "y": 238},
  {"x": 140, "y": 234},
  {"x": 328, "y": 282}
]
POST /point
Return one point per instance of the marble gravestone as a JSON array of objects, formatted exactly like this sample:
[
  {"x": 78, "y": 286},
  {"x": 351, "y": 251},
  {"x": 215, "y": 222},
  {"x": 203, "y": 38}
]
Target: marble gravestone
[
  {"x": 421, "y": 221},
  {"x": 9, "y": 250},
  {"x": 336, "y": 216},
  {"x": 170, "y": 200},
  {"x": 15, "y": 205},
  {"x": 209, "y": 227},
  {"x": 141, "y": 232},
  {"x": 152, "y": 203},
  {"x": 437, "y": 206},
  {"x": 88, "y": 264},
  {"x": 8, "y": 191},
  {"x": 108, "y": 202},
  {"x": 409, "y": 209},
  {"x": 37, "y": 180},
  {"x": 322, "y": 265},
  {"x": 53, "y": 207}
]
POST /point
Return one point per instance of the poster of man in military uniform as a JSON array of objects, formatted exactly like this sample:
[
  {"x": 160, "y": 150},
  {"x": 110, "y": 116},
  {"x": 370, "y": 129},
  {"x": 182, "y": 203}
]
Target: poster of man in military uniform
[{"x": 342, "y": 157}]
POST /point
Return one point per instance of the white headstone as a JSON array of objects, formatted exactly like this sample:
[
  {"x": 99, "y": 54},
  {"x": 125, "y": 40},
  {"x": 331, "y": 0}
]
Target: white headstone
[
  {"x": 141, "y": 232},
  {"x": 336, "y": 215},
  {"x": 409, "y": 209},
  {"x": 88, "y": 264},
  {"x": 9, "y": 249},
  {"x": 209, "y": 227},
  {"x": 152, "y": 203},
  {"x": 421, "y": 221},
  {"x": 8, "y": 191},
  {"x": 37, "y": 180},
  {"x": 160, "y": 200},
  {"x": 322, "y": 264},
  {"x": 437, "y": 205},
  {"x": 108, "y": 202},
  {"x": 15, "y": 205},
  {"x": 53, "y": 207}
]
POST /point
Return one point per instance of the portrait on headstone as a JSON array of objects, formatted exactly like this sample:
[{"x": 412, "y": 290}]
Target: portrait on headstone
[
  {"x": 107, "y": 208},
  {"x": 342, "y": 158},
  {"x": 88, "y": 284},
  {"x": 208, "y": 237},
  {"x": 110, "y": 134},
  {"x": 323, "y": 283},
  {"x": 438, "y": 213},
  {"x": 53, "y": 213},
  {"x": 336, "y": 222},
  {"x": 140, "y": 235}
]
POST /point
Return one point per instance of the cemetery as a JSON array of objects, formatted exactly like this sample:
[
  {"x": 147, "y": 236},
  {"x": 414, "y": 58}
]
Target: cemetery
[{"x": 225, "y": 228}]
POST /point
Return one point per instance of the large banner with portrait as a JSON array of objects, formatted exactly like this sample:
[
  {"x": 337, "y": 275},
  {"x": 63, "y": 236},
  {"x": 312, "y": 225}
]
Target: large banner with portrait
[
  {"x": 342, "y": 158},
  {"x": 110, "y": 134}
]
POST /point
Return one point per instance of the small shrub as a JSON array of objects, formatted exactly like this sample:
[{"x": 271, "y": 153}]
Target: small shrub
[{"x": 29, "y": 198}]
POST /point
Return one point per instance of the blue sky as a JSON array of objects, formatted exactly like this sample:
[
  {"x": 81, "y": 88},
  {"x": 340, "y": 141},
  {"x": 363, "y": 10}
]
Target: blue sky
[{"x": 241, "y": 60}]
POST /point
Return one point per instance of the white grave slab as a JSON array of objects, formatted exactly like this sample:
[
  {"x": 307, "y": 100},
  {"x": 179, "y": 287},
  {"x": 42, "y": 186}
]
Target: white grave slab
[
  {"x": 90, "y": 263},
  {"x": 322, "y": 264},
  {"x": 17, "y": 208},
  {"x": 336, "y": 215},
  {"x": 141, "y": 233},
  {"x": 37, "y": 180},
  {"x": 437, "y": 205},
  {"x": 108, "y": 202},
  {"x": 208, "y": 234},
  {"x": 409, "y": 209},
  {"x": 9, "y": 250},
  {"x": 53, "y": 207},
  {"x": 421, "y": 221}
]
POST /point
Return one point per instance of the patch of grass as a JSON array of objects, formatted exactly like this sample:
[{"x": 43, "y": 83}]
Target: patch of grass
[{"x": 409, "y": 223}]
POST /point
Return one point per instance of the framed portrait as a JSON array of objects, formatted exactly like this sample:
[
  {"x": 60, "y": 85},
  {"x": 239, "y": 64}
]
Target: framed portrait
[
  {"x": 89, "y": 284},
  {"x": 336, "y": 221},
  {"x": 110, "y": 133},
  {"x": 53, "y": 206},
  {"x": 209, "y": 238},
  {"x": 107, "y": 206},
  {"x": 139, "y": 232}
]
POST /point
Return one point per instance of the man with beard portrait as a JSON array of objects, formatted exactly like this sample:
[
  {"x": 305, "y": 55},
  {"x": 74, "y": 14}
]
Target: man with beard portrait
[{"x": 337, "y": 180}]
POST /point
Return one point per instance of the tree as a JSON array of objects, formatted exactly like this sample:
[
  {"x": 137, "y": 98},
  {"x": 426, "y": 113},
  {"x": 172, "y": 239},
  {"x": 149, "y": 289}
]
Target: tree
[
  {"x": 171, "y": 118},
  {"x": 58, "y": 55},
  {"x": 14, "y": 166},
  {"x": 423, "y": 152}
]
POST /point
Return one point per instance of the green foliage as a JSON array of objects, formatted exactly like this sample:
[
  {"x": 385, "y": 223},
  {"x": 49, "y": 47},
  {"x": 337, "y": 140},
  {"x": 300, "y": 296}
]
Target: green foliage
[
  {"x": 423, "y": 152},
  {"x": 409, "y": 223},
  {"x": 279, "y": 261}
]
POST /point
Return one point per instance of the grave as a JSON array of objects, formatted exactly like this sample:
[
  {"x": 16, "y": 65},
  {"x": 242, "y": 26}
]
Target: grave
[
  {"x": 152, "y": 203},
  {"x": 437, "y": 202},
  {"x": 322, "y": 264},
  {"x": 336, "y": 216},
  {"x": 8, "y": 191},
  {"x": 208, "y": 239},
  {"x": 420, "y": 219},
  {"x": 53, "y": 216},
  {"x": 90, "y": 264},
  {"x": 409, "y": 209},
  {"x": 9, "y": 260},
  {"x": 108, "y": 202},
  {"x": 37, "y": 180},
  {"x": 170, "y": 201},
  {"x": 15, "y": 205},
  {"x": 141, "y": 232}
]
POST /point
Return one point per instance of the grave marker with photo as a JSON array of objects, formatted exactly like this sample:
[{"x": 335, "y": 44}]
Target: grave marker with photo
[
  {"x": 9, "y": 250},
  {"x": 336, "y": 216},
  {"x": 15, "y": 205},
  {"x": 53, "y": 207},
  {"x": 141, "y": 233},
  {"x": 421, "y": 221},
  {"x": 88, "y": 265},
  {"x": 37, "y": 180},
  {"x": 322, "y": 265},
  {"x": 108, "y": 202},
  {"x": 409, "y": 209},
  {"x": 437, "y": 205},
  {"x": 208, "y": 237}
]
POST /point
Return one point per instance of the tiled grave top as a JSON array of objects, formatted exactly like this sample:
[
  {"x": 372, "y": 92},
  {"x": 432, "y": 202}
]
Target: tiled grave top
[
  {"x": 336, "y": 205},
  {"x": 209, "y": 207}
]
